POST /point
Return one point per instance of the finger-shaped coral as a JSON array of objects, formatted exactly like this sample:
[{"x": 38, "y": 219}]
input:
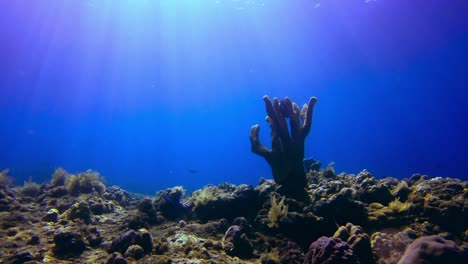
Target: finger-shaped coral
[
  {"x": 256, "y": 146},
  {"x": 287, "y": 142}
]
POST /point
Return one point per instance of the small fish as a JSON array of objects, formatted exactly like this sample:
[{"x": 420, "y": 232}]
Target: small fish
[{"x": 192, "y": 171}]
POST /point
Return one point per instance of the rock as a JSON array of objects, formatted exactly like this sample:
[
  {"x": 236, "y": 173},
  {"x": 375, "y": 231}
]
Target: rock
[
  {"x": 81, "y": 211},
  {"x": 434, "y": 250},
  {"x": 146, "y": 206},
  {"x": 377, "y": 193},
  {"x": 243, "y": 224},
  {"x": 236, "y": 243},
  {"x": 117, "y": 194},
  {"x": 390, "y": 246},
  {"x": 149, "y": 215},
  {"x": 99, "y": 207},
  {"x": 134, "y": 251},
  {"x": 12, "y": 231},
  {"x": 146, "y": 241},
  {"x": 290, "y": 252},
  {"x": 343, "y": 208},
  {"x": 225, "y": 201},
  {"x": 11, "y": 220},
  {"x": 182, "y": 224},
  {"x": 68, "y": 245},
  {"x": 162, "y": 246},
  {"x": 6, "y": 198},
  {"x": 136, "y": 222},
  {"x": 58, "y": 192},
  {"x": 371, "y": 190},
  {"x": 121, "y": 243},
  {"x": 63, "y": 205},
  {"x": 20, "y": 257},
  {"x": 129, "y": 238},
  {"x": 116, "y": 258},
  {"x": 35, "y": 240},
  {"x": 330, "y": 250},
  {"x": 443, "y": 202},
  {"x": 94, "y": 237},
  {"x": 169, "y": 203},
  {"x": 51, "y": 216}
]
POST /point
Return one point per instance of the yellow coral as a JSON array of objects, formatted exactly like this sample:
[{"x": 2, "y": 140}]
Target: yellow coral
[
  {"x": 276, "y": 212},
  {"x": 399, "y": 207},
  {"x": 204, "y": 197}
]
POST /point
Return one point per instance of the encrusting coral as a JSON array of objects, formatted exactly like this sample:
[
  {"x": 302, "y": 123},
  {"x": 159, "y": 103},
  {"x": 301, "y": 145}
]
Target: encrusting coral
[{"x": 286, "y": 157}]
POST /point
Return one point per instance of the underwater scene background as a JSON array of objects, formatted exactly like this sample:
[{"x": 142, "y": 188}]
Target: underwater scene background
[
  {"x": 154, "y": 94},
  {"x": 133, "y": 131}
]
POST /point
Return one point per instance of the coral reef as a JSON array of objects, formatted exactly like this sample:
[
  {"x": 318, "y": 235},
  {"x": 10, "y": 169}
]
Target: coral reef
[
  {"x": 286, "y": 157},
  {"x": 348, "y": 219}
]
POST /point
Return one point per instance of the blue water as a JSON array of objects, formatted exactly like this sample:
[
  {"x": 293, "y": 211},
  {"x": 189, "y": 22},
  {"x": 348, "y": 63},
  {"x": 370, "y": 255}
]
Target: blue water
[{"x": 154, "y": 94}]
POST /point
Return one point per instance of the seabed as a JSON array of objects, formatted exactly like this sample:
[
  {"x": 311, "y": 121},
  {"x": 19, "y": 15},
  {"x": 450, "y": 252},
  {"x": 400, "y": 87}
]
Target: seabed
[{"x": 76, "y": 218}]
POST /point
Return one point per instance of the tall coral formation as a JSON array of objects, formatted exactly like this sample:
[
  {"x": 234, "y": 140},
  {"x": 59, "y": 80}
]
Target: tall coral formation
[{"x": 286, "y": 157}]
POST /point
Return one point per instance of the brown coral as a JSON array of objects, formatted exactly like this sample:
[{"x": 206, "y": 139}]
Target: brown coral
[{"x": 286, "y": 157}]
